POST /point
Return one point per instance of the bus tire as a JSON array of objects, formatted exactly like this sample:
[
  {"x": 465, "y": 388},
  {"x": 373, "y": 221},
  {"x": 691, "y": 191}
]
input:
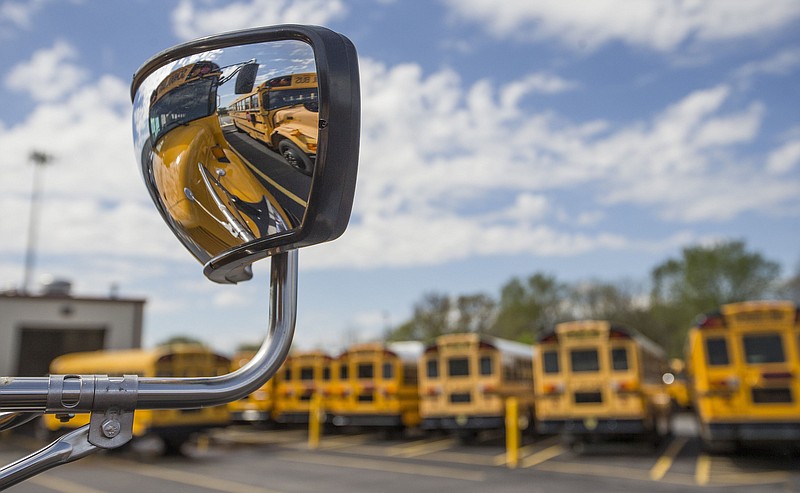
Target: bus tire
[{"x": 295, "y": 157}]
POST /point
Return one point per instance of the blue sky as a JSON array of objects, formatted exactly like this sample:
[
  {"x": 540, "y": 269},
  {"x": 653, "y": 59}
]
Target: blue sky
[{"x": 588, "y": 140}]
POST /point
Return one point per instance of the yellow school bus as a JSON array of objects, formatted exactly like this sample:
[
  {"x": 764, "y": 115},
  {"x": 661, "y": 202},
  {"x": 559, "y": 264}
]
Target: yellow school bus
[
  {"x": 301, "y": 376},
  {"x": 376, "y": 386},
  {"x": 173, "y": 426},
  {"x": 465, "y": 380},
  {"x": 256, "y": 408},
  {"x": 744, "y": 369},
  {"x": 206, "y": 188},
  {"x": 283, "y": 113},
  {"x": 596, "y": 380}
]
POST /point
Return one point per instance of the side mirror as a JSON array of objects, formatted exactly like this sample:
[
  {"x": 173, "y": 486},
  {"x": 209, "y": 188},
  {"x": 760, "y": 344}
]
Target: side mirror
[
  {"x": 239, "y": 177},
  {"x": 246, "y": 78}
]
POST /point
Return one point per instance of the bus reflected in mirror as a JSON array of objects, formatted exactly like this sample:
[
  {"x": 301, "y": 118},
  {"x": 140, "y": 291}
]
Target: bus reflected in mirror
[{"x": 228, "y": 168}]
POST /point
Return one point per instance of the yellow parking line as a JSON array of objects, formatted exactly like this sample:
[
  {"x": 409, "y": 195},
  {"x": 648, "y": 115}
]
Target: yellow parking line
[
  {"x": 702, "y": 471},
  {"x": 384, "y": 466},
  {"x": 272, "y": 182},
  {"x": 62, "y": 485},
  {"x": 188, "y": 478},
  {"x": 415, "y": 449},
  {"x": 665, "y": 461},
  {"x": 542, "y": 456}
]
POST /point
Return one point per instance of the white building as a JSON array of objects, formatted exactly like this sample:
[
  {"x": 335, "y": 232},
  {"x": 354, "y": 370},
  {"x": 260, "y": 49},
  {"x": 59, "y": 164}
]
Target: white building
[{"x": 36, "y": 329}]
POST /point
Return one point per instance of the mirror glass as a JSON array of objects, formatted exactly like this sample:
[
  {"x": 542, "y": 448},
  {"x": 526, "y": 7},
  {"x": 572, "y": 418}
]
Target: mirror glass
[{"x": 227, "y": 141}]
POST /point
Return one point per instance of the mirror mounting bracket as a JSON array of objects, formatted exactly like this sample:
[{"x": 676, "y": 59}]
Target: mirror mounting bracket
[{"x": 112, "y": 400}]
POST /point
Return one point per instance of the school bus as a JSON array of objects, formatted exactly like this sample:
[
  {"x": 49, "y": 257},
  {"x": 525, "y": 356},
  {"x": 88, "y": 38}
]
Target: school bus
[
  {"x": 597, "y": 380},
  {"x": 208, "y": 191},
  {"x": 465, "y": 380},
  {"x": 283, "y": 113},
  {"x": 376, "y": 386},
  {"x": 173, "y": 426},
  {"x": 301, "y": 376},
  {"x": 256, "y": 408},
  {"x": 744, "y": 369}
]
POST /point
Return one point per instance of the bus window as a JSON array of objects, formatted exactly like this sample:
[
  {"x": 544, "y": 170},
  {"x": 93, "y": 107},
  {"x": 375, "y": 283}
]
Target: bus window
[
  {"x": 365, "y": 370},
  {"x": 717, "y": 351},
  {"x": 326, "y": 373},
  {"x": 388, "y": 371},
  {"x": 550, "y": 359},
  {"x": 486, "y": 365},
  {"x": 307, "y": 373},
  {"x": 619, "y": 358},
  {"x": 433, "y": 368},
  {"x": 763, "y": 348},
  {"x": 584, "y": 360},
  {"x": 288, "y": 375},
  {"x": 458, "y": 367},
  {"x": 343, "y": 372}
]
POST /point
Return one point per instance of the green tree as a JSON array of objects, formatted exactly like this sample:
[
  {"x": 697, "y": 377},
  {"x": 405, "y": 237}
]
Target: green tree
[
  {"x": 438, "y": 314},
  {"x": 702, "y": 279},
  {"x": 526, "y": 308}
]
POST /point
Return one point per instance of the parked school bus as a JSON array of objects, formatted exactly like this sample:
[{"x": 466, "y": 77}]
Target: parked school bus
[
  {"x": 465, "y": 380},
  {"x": 302, "y": 375},
  {"x": 597, "y": 380},
  {"x": 256, "y": 408},
  {"x": 283, "y": 113},
  {"x": 744, "y": 369},
  {"x": 377, "y": 386},
  {"x": 173, "y": 426}
]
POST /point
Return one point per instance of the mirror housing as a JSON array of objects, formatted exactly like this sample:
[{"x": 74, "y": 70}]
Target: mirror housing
[
  {"x": 227, "y": 207},
  {"x": 246, "y": 78}
]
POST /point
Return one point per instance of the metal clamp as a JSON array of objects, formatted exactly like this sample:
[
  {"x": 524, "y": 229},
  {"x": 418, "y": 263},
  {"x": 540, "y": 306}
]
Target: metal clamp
[{"x": 111, "y": 422}]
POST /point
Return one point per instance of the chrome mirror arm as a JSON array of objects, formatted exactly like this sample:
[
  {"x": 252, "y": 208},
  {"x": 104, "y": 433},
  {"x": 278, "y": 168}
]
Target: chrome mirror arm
[
  {"x": 67, "y": 448},
  {"x": 90, "y": 393}
]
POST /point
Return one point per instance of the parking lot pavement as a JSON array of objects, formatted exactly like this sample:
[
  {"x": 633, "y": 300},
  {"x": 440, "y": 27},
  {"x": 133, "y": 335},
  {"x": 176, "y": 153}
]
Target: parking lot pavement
[{"x": 243, "y": 459}]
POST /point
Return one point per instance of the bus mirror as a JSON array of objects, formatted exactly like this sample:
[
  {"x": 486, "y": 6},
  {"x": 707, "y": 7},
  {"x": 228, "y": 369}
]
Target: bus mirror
[
  {"x": 246, "y": 78},
  {"x": 240, "y": 177}
]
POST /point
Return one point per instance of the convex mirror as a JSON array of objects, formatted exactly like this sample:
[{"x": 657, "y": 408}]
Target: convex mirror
[{"x": 248, "y": 142}]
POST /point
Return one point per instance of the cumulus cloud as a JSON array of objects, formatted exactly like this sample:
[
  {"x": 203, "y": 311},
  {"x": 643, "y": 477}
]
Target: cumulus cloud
[
  {"x": 192, "y": 19},
  {"x": 49, "y": 74},
  {"x": 660, "y": 25},
  {"x": 451, "y": 171},
  {"x": 92, "y": 199}
]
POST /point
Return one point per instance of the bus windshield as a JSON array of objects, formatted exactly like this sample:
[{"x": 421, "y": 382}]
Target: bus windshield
[
  {"x": 292, "y": 97},
  {"x": 188, "y": 102}
]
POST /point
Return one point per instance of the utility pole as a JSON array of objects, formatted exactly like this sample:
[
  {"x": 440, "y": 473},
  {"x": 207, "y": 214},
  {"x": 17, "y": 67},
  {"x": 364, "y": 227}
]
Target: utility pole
[{"x": 39, "y": 160}]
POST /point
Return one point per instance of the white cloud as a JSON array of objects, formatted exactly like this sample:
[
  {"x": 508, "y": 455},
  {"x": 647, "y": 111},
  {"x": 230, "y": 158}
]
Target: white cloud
[
  {"x": 18, "y": 14},
  {"x": 784, "y": 159},
  {"x": 49, "y": 75},
  {"x": 781, "y": 63},
  {"x": 661, "y": 25},
  {"x": 450, "y": 171},
  {"x": 192, "y": 19}
]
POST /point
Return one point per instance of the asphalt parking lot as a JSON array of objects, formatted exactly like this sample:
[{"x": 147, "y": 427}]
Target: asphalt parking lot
[{"x": 242, "y": 459}]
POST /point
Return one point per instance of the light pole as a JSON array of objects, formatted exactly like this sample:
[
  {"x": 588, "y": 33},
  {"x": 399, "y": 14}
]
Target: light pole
[{"x": 39, "y": 160}]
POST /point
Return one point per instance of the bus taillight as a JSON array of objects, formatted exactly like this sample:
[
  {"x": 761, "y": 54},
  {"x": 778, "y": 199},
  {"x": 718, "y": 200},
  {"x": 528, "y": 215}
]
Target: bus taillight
[
  {"x": 730, "y": 384},
  {"x": 554, "y": 388},
  {"x": 622, "y": 387}
]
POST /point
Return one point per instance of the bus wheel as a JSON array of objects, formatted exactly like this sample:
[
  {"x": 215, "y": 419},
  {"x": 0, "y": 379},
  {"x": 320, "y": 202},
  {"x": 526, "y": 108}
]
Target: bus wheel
[
  {"x": 238, "y": 129},
  {"x": 295, "y": 157},
  {"x": 467, "y": 437}
]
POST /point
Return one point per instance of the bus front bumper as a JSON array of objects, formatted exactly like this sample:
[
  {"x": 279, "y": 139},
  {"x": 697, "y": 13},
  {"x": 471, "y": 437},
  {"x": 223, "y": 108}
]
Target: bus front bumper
[
  {"x": 370, "y": 420},
  {"x": 752, "y": 432},
  {"x": 250, "y": 416},
  {"x": 463, "y": 423},
  {"x": 591, "y": 426}
]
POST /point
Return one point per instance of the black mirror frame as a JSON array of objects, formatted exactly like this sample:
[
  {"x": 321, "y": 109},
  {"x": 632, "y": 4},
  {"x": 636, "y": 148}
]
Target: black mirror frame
[{"x": 330, "y": 198}]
